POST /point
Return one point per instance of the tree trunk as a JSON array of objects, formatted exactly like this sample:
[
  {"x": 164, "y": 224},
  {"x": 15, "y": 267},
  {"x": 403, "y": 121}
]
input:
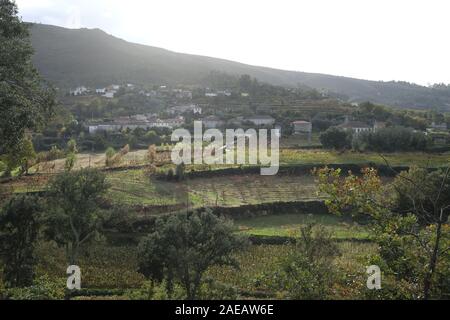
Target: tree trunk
[{"x": 433, "y": 260}]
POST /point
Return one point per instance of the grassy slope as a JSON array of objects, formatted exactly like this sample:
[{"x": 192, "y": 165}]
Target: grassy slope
[{"x": 289, "y": 225}]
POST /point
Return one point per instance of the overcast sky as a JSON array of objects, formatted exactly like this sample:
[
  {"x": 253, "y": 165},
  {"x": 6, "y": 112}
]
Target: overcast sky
[{"x": 377, "y": 39}]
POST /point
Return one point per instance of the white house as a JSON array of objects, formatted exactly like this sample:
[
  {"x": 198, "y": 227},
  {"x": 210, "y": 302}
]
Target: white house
[
  {"x": 79, "y": 91},
  {"x": 356, "y": 126},
  {"x": 100, "y": 91},
  {"x": 261, "y": 120},
  {"x": 302, "y": 127},
  {"x": 210, "y": 94},
  {"x": 109, "y": 94},
  {"x": 186, "y": 108}
]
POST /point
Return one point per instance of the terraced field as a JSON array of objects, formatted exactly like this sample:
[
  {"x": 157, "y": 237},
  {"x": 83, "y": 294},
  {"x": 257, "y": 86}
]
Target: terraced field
[
  {"x": 134, "y": 187},
  {"x": 288, "y": 225}
]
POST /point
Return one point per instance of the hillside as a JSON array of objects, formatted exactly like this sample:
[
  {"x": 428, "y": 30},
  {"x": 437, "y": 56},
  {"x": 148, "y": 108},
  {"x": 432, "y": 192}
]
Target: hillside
[{"x": 91, "y": 57}]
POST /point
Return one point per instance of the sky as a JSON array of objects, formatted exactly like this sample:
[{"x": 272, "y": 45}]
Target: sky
[{"x": 405, "y": 40}]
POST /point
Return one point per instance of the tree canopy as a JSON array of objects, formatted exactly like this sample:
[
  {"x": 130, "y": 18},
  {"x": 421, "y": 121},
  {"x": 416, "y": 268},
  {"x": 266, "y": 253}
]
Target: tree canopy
[{"x": 25, "y": 101}]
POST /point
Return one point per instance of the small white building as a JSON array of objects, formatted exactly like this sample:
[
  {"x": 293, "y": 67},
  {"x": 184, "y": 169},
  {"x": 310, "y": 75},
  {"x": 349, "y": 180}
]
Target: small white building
[
  {"x": 100, "y": 91},
  {"x": 210, "y": 94},
  {"x": 186, "y": 108},
  {"x": 261, "y": 120},
  {"x": 109, "y": 94},
  {"x": 79, "y": 91},
  {"x": 356, "y": 126},
  {"x": 302, "y": 127}
]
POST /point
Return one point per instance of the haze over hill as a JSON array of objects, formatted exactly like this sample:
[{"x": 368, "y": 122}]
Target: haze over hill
[{"x": 72, "y": 57}]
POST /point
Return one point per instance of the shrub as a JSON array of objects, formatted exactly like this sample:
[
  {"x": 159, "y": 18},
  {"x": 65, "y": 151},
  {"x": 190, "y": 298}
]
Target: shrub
[
  {"x": 43, "y": 289},
  {"x": 308, "y": 271},
  {"x": 70, "y": 162}
]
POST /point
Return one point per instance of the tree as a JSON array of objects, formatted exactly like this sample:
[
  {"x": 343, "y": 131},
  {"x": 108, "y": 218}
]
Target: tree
[
  {"x": 19, "y": 229},
  {"x": 21, "y": 155},
  {"x": 109, "y": 155},
  {"x": 25, "y": 102},
  {"x": 71, "y": 159},
  {"x": 335, "y": 138},
  {"x": 72, "y": 146},
  {"x": 184, "y": 246},
  {"x": 409, "y": 221},
  {"x": 75, "y": 217}
]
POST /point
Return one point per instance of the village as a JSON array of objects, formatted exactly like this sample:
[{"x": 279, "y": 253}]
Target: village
[{"x": 183, "y": 106}]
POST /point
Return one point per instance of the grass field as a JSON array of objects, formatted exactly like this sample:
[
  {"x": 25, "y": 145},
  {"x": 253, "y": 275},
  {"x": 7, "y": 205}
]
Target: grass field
[
  {"x": 289, "y": 225},
  {"x": 332, "y": 157}
]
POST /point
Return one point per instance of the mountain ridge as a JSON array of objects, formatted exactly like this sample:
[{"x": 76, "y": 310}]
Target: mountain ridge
[{"x": 71, "y": 57}]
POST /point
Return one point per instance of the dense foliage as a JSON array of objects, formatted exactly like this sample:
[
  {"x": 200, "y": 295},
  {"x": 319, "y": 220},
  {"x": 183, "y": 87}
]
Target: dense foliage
[
  {"x": 19, "y": 229},
  {"x": 184, "y": 246},
  {"x": 25, "y": 102}
]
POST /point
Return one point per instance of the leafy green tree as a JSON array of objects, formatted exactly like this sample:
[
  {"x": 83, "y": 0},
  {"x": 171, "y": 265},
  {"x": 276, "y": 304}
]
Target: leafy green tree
[
  {"x": 184, "y": 246},
  {"x": 19, "y": 229},
  {"x": 21, "y": 155},
  {"x": 75, "y": 217},
  {"x": 25, "y": 102},
  {"x": 72, "y": 146},
  {"x": 409, "y": 222},
  {"x": 71, "y": 159},
  {"x": 335, "y": 138}
]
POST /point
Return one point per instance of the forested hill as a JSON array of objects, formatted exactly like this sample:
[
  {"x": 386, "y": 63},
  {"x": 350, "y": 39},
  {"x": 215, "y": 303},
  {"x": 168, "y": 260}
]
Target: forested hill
[{"x": 91, "y": 57}]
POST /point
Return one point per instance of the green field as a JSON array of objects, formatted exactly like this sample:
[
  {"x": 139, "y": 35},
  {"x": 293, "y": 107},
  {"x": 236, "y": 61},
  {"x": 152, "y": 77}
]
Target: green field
[
  {"x": 288, "y": 225},
  {"x": 323, "y": 157}
]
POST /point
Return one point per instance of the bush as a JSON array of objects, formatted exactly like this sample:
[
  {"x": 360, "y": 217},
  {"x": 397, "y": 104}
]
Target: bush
[
  {"x": 112, "y": 158},
  {"x": 70, "y": 162},
  {"x": 43, "y": 289},
  {"x": 308, "y": 271},
  {"x": 72, "y": 146}
]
